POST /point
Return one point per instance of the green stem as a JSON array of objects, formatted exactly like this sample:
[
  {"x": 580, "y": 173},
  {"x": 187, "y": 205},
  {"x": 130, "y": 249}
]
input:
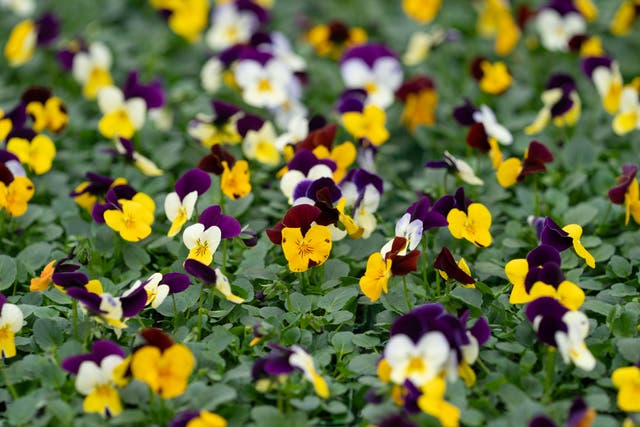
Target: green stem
[
  {"x": 406, "y": 293},
  {"x": 549, "y": 364},
  {"x": 74, "y": 317},
  {"x": 598, "y": 229},
  {"x": 200, "y": 302},
  {"x": 7, "y": 383},
  {"x": 437, "y": 284},
  {"x": 224, "y": 255},
  {"x": 424, "y": 267},
  {"x": 175, "y": 312}
]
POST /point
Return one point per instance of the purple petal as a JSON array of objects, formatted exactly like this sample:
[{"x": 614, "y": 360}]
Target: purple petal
[
  {"x": 3, "y": 300},
  {"x": 72, "y": 363},
  {"x": 301, "y": 189},
  {"x": 228, "y": 225},
  {"x": 192, "y": 180},
  {"x": 617, "y": 193},
  {"x": 555, "y": 236},
  {"x": 463, "y": 114},
  {"x": 48, "y": 28},
  {"x": 200, "y": 270},
  {"x": 481, "y": 330},
  {"x": 259, "y": 12},
  {"x": 590, "y": 63},
  {"x": 177, "y": 282},
  {"x": 543, "y": 254},
  {"x": 249, "y": 122},
  {"x": 545, "y": 307},
  {"x": 134, "y": 303},
  {"x": 223, "y": 111},
  {"x": 577, "y": 412},
  {"x": 302, "y": 161},
  {"x": 334, "y": 191},
  {"x": 65, "y": 58},
  {"x": 541, "y": 421},
  {"x": 152, "y": 93},
  {"x": 183, "y": 418},
  {"x": 90, "y": 300},
  {"x": 69, "y": 280},
  {"x": 369, "y": 53},
  {"x": 562, "y": 81},
  {"x": 563, "y": 106}
]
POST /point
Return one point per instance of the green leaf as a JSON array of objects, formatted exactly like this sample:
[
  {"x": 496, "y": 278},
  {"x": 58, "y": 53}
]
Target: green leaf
[
  {"x": 300, "y": 303},
  {"x": 23, "y": 409},
  {"x": 8, "y": 272},
  {"x": 469, "y": 296},
  {"x": 47, "y": 333},
  {"x": 337, "y": 299},
  {"x": 342, "y": 342},
  {"x": 365, "y": 341},
  {"x": 335, "y": 269},
  {"x": 35, "y": 256},
  {"x": 135, "y": 257},
  {"x": 581, "y": 214},
  {"x": 629, "y": 348}
]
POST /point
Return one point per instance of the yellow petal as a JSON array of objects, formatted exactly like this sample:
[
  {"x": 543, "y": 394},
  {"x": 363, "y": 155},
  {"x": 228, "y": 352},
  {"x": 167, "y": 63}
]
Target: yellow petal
[
  {"x": 116, "y": 123},
  {"x": 376, "y": 276},
  {"x": 7, "y": 344},
  {"x": 508, "y": 172},
  {"x": 516, "y": 271},
  {"x": 102, "y": 398},
  {"x": 575, "y": 232},
  {"x": 42, "y": 153},
  {"x": 144, "y": 366},
  {"x": 570, "y": 295}
]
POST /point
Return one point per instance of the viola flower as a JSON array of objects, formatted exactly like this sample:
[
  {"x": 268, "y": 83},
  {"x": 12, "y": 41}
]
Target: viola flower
[
  {"x": 263, "y": 79},
  {"x": 472, "y": 224},
  {"x": 121, "y": 118},
  {"x": 285, "y": 361},
  {"x": 420, "y": 98},
  {"x": 362, "y": 191},
  {"x": 47, "y": 111},
  {"x": 125, "y": 148},
  {"x": 628, "y": 117},
  {"x": 153, "y": 93},
  {"x": 186, "y": 18},
  {"x": 494, "y": 78},
  {"x": 261, "y": 145},
  {"x": 369, "y": 124},
  {"x": 551, "y": 234},
  {"x": 422, "y": 43},
  {"x": 580, "y": 415},
  {"x": 495, "y": 19},
  {"x": 29, "y": 34},
  {"x": 422, "y": 11},
  {"x": 90, "y": 192},
  {"x": 201, "y": 418},
  {"x": 15, "y": 188},
  {"x": 333, "y": 38},
  {"x": 234, "y": 176},
  {"x": 562, "y": 328},
  {"x": 180, "y": 204},
  {"x": 66, "y": 276},
  {"x": 10, "y": 323},
  {"x": 132, "y": 218},
  {"x": 35, "y": 150},
  {"x": 514, "y": 170},
  {"x": 484, "y": 130},
  {"x": 305, "y": 251},
  {"x": 212, "y": 277},
  {"x": 233, "y": 23},
  {"x": 221, "y": 128},
  {"x": 202, "y": 239},
  {"x": 376, "y": 277},
  {"x": 163, "y": 365},
  {"x": 557, "y": 22},
  {"x": 627, "y": 192},
  {"x": 457, "y": 167},
  {"x": 95, "y": 377},
  {"x": 374, "y": 68},
  {"x": 90, "y": 67},
  {"x": 448, "y": 267},
  {"x": 561, "y": 103},
  {"x": 624, "y": 18},
  {"x": 158, "y": 286},
  {"x": 42, "y": 283},
  {"x": 540, "y": 275},
  {"x": 304, "y": 166},
  {"x": 626, "y": 380},
  {"x": 606, "y": 76}
]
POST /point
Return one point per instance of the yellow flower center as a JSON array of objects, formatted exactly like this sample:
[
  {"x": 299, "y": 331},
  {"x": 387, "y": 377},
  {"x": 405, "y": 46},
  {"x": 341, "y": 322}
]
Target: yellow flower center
[
  {"x": 103, "y": 391},
  {"x": 264, "y": 85},
  {"x": 417, "y": 365},
  {"x": 370, "y": 87},
  {"x": 232, "y": 32},
  {"x": 201, "y": 248}
]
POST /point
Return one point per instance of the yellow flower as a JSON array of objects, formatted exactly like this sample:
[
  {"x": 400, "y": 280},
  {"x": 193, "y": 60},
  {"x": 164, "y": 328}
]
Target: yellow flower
[
  {"x": 422, "y": 11},
  {"x": 508, "y": 172},
  {"x": 16, "y": 195},
  {"x": 207, "y": 419},
  {"x": 234, "y": 182},
  {"x": 376, "y": 276},
  {"x": 627, "y": 381},
  {"x": 166, "y": 373},
  {"x": 624, "y": 18},
  {"x": 473, "y": 225},
  {"x": 303, "y": 252},
  {"x": 189, "y": 18},
  {"x": 370, "y": 124},
  {"x": 51, "y": 115},
  {"x": 587, "y": 9},
  {"x": 41, "y": 283},
  {"x": 592, "y": 47},
  {"x": 134, "y": 221},
  {"x": 495, "y": 77},
  {"x": 37, "y": 153},
  {"x": 432, "y": 402},
  {"x": 21, "y": 44},
  {"x": 420, "y": 109},
  {"x": 344, "y": 155},
  {"x": 495, "y": 19}
]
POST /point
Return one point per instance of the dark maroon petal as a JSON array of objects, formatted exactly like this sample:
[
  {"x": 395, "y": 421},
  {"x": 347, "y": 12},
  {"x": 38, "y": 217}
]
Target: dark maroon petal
[
  {"x": 369, "y": 53},
  {"x": 537, "y": 155},
  {"x": 333, "y": 191},
  {"x": 134, "y": 303},
  {"x": 152, "y": 93},
  {"x": 301, "y": 216},
  {"x": 414, "y": 85},
  {"x": 223, "y": 111},
  {"x": 200, "y": 270},
  {"x": 555, "y": 236},
  {"x": 192, "y": 180},
  {"x": 249, "y": 122},
  {"x": 463, "y": 114},
  {"x": 36, "y": 94},
  {"x": 617, "y": 194},
  {"x": 405, "y": 264},
  {"x": 177, "y": 282},
  {"x": 590, "y": 63},
  {"x": 48, "y": 28},
  {"x": 475, "y": 69},
  {"x": 275, "y": 233},
  {"x": 317, "y": 122},
  {"x": 445, "y": 262},
  {"x": 477, "y": 137},
  {"x": 90, "y": 300},
  {"x": 6, "y": 176},
  {"x": 156, "y": 338},
  {"x": 541, "y": 421}
]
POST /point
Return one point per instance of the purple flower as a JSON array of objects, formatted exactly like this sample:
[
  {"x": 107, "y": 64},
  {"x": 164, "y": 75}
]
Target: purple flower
[
  {"x": 551, "y": 234},
  {"x": 48, "y": 28},
  {"x": 617, "y": 193},
  {"x": 152, "y": 93},
  {"x": 423, "y": 211},
  {"x": 228, "y": 225}
]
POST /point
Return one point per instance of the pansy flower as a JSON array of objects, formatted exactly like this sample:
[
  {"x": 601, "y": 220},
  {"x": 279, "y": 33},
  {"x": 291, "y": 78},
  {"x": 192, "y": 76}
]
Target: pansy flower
[
  {"x": 111, "y": 310},
  {"x": 220, "y": 128},
  {"x": 557, "y": 22},
  {"x": 202, "y": 239},
  {"x": 457, "y": 167},
  {"x": 563, "y": 329},
  {"x": 42, "y": 282},
  {"x": 333, "y": 38},
  {"x": 15, "y": 188},
  {"x": 539, "y": 275},
  {"x": 29, "y": 34},
  {"x": 234, "y": 175},
  {"x": 121, "y": 117},
  {"x": 606, "y": 76},
  {"x": 624, "y": 18},
  {"x": 285, "y": 361},
  {"x": 158, "y": 286},
  {"x": 126, "y": 211},
  {"x": 422, "y": 11},
  {"x": 35, "y": 150},
  {"x": 263, "y": 79},
  {"x": 563, "y": 238},
  {"x": 186, "y": 18},
  {"x": 370, "y": 123},
  {"x": 95, "y": 377},
  {"x": 165, "y": 366},
  {"x": 467, "y": 220},
  {"x": 484, "y": 129},
  {"x": 448, "y": 268},
  {"x": 374, "y": 68},
  {"x": 420, "y": 98},
  {"x": 191, "y": 418},
  {"x": 260, "y": 145},
  {"x": 10, "y": 323},
  {"x": 493, "y": 78},
  {"x": 627, "y": 192},
  {"x": 304, "y": 166},
  {"x": 362, "y": 191},
  {"x": 514, "y": 170},
  {"x": 180, "y": 204},
  {"x": 47, "y": 111},
  {"x": 94, "y": 190},
  {"x": 495, "y": 19},
  {"x": 66, "y": 276},
  {"x": 152, "y": 93},
  {"x": 561, "y": 104},
  {"x": 580, "y": 415},
  {"x": 90, "y": 66},
  {"x": 626, "y": 380},
  {"x": 126, "y": 149},
  {"x": 234, "y": 23},
  {"x": 627, "y": 118},
  {"x": 212, "y": 277}
]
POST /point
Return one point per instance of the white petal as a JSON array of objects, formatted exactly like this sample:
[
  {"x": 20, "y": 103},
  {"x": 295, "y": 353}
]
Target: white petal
[
  {"x": 172, "y": 205},
  {"x": 303, "y": 361},
  {"x": 12, "y": 316},
  {"x": 110, "y": 98},
  {"x": 161, "y": 293},
  {"x": 470, "y": 351},
  {"x": 189, "y": 203},
  {"x": 153, "y": 281},
  {"x": 435, "y": 348},
  {"x": 100, "y": 55},
  {"x": 89, "y": 377},
  {"x": 319, "y": 171},
  {"x": 602, "y": 79},
  {"x": 212, "y": 235},
  {"x": 248, "y": 73},
  {"x": 211, "y": 75},
  {"x": 82, "y": 66},
  {"x": 562, "y": 341},
  {"x": 629, "y": 99},
  {"x": 146, "y": 165},
  {"x": 355, "y": 73},
  {"x": 414, "y": 233},
  {"x": 387, "y": 73},
  {"x": 289, "y": 181},
  {"x": 108, "y": 364},
  {"x": 402, "y": 224},
  {"x": 371, "y": 198},
  {"x": 192, "y": 234},
  {"x": 399, "y": 349},
  {"x": 386, "y": 248},
  {"x": 582, "y": 358},
  {"x": 137, "y": 109},
  {"x": 277, "y": 72}
]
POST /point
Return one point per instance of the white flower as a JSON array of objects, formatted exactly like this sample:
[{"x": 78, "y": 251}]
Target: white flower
[
  {"x": 410, "y": 230},
  {"x": 556, "y": 30},
  {"x": 202, "y": 244},
  {"x": 263, "y": 85},
  {"x": 419, "y": 362},
  {"x": 280, "y": 47},
  {"x": 261, "y": 145},
  {"x": 223, "y": 285},
  {"x": 628, "y": 117},
  {"x": 97, "y": 58},
  {"x": 179, "y": 211},
  {"x": 463, "y": 169},
  {"x": 91, "y": 376},
  {"x": 112, "y": 103},
  {"x": 211, "y": 75},
  {"x": 380, "y": 82},
  {"x": 302, "y": 360},
  {"x": 571, "y": 344},
  {"x": 229, "y": 26},
  {"x": 493, "y": 129}
]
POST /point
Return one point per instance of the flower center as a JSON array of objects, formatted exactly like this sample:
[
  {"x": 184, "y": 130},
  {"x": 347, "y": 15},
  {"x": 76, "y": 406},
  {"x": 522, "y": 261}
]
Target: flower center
[
  {"x": 370, "y": 87},
  {"x": 416, "y": 365},
  {"x": 201, "y": 248},
  {"x": 264, "y": 85}
]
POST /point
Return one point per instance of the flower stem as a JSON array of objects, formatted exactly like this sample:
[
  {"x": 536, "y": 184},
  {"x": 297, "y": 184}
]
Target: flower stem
[
  {"x": 74, "y": 317},
  {"x": 7, "y": 382},
  {"x": 437, "y": 284},
  {"x": 200, "y": 301},
  {"x": 424, "y": 267},
  {"x": 224, "y": 256},
  {"x": 549, "y": 365},
  {"x": 406, "y": 293}
]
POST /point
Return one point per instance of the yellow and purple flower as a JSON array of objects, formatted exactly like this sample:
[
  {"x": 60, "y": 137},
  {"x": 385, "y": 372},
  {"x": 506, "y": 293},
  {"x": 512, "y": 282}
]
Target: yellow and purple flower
[
  {"x": 212, "y": 277},
  {"x": 561, "y": 104},
  {"x": 29, "y": 34},
  {"x": 15, "y": 188},
  {"x": 202, "y": 239},
  {"x": 333, "y": 38},
  {"x": 180, "y": 204}
]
